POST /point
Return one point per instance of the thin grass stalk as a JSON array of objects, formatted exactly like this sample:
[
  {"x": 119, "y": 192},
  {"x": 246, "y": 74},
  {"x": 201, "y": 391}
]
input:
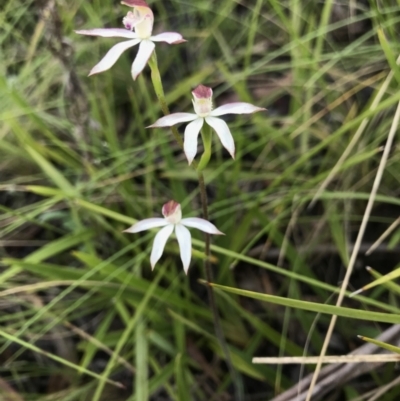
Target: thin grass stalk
[{"x": 379, "y": 241}]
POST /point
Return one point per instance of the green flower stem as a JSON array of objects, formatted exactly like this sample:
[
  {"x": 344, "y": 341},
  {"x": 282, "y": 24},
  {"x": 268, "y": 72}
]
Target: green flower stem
[
  {"x": 206, "y": 134},
  {"x": 159, "y": 89}
]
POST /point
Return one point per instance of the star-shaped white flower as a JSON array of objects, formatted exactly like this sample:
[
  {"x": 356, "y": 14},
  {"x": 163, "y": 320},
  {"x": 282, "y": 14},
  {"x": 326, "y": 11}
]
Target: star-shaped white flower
[
  {"x": 202, "y": 102},
  {"x": 173, "y": 220},
  {"x": 138, "y": 28}
]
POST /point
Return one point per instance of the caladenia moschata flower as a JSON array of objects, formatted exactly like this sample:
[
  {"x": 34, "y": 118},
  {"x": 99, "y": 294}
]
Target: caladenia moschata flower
[
  {"x": 202, "y": 102},
  {"x": 138, "y": 29},
  {"x": 173, "y": 221}
]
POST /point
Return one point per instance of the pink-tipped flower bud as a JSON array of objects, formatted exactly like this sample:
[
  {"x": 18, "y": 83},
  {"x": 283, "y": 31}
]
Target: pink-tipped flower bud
[
  {"x": 202, "y": 92},
  {"x": 202, "y": 100},
  {"x": 172, "y": 212}
]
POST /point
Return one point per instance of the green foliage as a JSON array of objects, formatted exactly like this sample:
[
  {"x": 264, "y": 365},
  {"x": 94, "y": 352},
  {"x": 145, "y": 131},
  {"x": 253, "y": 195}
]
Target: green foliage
[{"x": 78, "y": 166}]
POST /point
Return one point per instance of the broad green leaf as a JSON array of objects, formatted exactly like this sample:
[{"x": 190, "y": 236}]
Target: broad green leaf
[{"x": 315, "y": 307}]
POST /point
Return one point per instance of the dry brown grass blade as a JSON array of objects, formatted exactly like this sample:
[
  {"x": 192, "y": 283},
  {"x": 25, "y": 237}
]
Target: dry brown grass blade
[
  {"x": 293, "y": 360},
  {"x": 379, "y": 241}
]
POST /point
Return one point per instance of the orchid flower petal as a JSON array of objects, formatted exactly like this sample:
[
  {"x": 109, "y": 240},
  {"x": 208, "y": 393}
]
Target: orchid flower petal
[
  {"x": 185, "y": 245},
  {"x": 201, "y": 224},
  {"x": 190, "y": 140},
  {"x": 223, "y": 132},
  {"x": 146, "y": 47},
  {"x": 172, "y": 119},
  {"x": 109, "y": 33},
  {"x": 112, "y": 56},
  {"x": 235, "y": 108},
  {"x": 169, "y": 37},
  {"x": 147, "y": 224},
  {"x": 159, "y": 244}
]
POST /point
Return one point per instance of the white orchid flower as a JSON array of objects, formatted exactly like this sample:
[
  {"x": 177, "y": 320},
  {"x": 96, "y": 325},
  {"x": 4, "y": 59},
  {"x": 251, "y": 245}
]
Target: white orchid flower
[
  {"x": 173, "y": 220},
  {"x": 138, "y": 29},
  {"x": 202, "y": 103}
]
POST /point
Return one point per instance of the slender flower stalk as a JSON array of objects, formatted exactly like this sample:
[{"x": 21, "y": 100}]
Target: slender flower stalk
[
  {"x": 173, "y": 221},
  {"x": 211, "y": 296},
  {"x": 159, "y": 90},
  {"x": 204, "y": 113},
  {"x": 138, "y": 29}
]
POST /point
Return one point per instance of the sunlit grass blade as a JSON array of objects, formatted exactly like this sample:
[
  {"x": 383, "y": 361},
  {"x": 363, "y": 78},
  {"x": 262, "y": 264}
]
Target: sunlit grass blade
[
  {"x": 381, "y": 344},
  {"x": 315, "y": 307}
]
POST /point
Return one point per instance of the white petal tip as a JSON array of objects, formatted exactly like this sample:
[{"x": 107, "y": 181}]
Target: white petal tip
[
  {"x": 93, "y": 71},
  {"x": 257, "y": 109},
  {"x": 136, "y": 74},
  {"x": 215, "y": 231},
  {"x": 172, "y": 38},
  {"x": 232, "y": 154}
]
